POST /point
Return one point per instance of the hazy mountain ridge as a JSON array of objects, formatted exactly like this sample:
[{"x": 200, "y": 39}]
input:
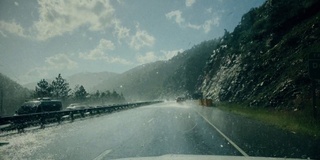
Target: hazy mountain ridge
[{"x": 263, "y": 62}]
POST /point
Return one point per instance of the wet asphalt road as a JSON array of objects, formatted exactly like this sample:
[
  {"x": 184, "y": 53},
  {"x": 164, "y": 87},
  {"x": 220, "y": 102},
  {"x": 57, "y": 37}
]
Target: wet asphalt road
[
  {"x": 167, "y": 128},
  {"x": 155, "y": 130}
]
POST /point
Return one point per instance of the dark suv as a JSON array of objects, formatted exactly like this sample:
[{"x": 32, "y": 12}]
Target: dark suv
[{"x": 40, "y": 105}]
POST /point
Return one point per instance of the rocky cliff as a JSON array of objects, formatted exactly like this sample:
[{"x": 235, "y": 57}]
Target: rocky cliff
[{"x": 264, "y": 61}]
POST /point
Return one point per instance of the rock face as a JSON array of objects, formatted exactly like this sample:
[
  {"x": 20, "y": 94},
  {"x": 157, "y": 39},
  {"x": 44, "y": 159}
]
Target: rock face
[{"x": 264, "y": 61}]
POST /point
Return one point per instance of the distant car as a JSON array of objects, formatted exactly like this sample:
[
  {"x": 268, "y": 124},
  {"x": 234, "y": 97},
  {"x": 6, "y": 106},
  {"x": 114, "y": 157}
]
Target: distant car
[
  {"x": 76, "y": 106},
  {"x": 180, "y": 99},
  {"x": 39, "y": 105}
]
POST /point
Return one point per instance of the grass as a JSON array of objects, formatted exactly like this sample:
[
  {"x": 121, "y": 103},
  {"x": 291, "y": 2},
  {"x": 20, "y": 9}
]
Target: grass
[{"x": 301, "y": 122}]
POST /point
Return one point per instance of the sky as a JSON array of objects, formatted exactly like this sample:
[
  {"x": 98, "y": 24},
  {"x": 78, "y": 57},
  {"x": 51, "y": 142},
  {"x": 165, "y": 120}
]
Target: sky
[{"x": 41, "y": 38}]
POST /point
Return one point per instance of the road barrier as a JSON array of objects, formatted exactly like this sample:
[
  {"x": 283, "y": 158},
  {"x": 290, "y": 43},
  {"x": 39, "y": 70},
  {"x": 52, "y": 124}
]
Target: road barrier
[{"x": 20, "y": 122}]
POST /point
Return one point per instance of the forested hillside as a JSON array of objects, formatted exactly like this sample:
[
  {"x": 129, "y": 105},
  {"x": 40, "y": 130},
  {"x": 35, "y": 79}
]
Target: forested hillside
[
  {"x": 264, "y": 61},
  {"x": 12, "y": 95}
]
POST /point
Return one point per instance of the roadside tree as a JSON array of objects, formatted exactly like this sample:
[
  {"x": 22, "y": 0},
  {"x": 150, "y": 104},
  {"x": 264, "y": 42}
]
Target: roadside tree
[
  {"x": 80, "y": 93},
  {"x": 43, "y": 89},
  {"x": 60, "y": 88}
]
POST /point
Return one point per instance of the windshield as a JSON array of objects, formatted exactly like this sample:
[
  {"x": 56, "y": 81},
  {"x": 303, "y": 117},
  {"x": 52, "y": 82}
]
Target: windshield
[{"x": 112, "y": 79}]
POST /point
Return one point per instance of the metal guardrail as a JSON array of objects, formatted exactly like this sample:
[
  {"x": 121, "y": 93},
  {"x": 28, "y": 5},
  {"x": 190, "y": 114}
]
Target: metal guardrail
[{"x": 20, "y": 122}]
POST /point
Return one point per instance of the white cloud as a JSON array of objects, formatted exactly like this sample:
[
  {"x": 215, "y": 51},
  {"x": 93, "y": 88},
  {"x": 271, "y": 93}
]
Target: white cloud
[
  {"x": 12, "y": 27},
  {"x": 101, "y": 53},
  {"x": 141, "y": 39},
  {"x": 60, "y": 61},
  {"x": 177, "y": 16},
  {"x": 194, "y": 26},
  {"x": 206, "y": 26},
  {"x": 151, "y": 56},
  {"x": 94, "y": 54},
  {"x": 106, "y": 45},
  {"x": 59, "y": 17},
  {"x": 119, "y": 31},
  {"x": 189, "y": 3},
  {"x": 209, "y": 23},
  {"x": 16, "y": 3},
  {"x": 147, "y": 58},
  {"x": 169, "y": 54},
  {"x": 118, "y": 60}
]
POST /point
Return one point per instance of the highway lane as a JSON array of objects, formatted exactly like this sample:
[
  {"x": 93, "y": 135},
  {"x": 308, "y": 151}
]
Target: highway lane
[{"x": 166, "y": 128}]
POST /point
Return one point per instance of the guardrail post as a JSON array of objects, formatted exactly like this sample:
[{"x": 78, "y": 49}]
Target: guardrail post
[
  {"x": 42, "y": 121},
  {"x": 71, "y": 116},
  {"x": 82, "y": 114},
  {"x": 19, "y": 126},
  {"x": 58, "y": 117}
]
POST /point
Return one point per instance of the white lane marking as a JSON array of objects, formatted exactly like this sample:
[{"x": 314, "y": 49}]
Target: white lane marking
[
  {"x": 103, "y": 155},
  {"x": 150, "y": 120},
  {"x": 223, "y": 135}
]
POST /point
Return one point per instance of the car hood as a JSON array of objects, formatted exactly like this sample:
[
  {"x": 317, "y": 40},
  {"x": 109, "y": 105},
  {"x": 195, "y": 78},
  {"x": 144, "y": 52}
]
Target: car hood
[{"x": 202, "y": 157}]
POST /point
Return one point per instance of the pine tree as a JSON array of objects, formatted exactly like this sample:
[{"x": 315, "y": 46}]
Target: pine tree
[
  {"x": 80, "y": 93},
  {"x": 60, "y": 88},
  {"x": 43, "y": 89}
]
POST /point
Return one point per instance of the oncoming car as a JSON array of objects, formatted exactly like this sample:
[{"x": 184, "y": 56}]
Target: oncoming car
[
  {"x": 76, "y": 106},
  {"x": 180, "y": 99}
]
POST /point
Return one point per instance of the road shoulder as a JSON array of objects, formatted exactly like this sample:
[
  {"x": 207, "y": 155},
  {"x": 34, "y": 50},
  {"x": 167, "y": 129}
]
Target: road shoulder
[{"x": 259, "y": 139}]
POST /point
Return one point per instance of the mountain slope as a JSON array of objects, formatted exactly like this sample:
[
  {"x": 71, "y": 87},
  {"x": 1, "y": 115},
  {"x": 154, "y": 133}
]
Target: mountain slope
[
  {"x": 12, "y": 95},
  {"x": 263, "y": 62}
]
